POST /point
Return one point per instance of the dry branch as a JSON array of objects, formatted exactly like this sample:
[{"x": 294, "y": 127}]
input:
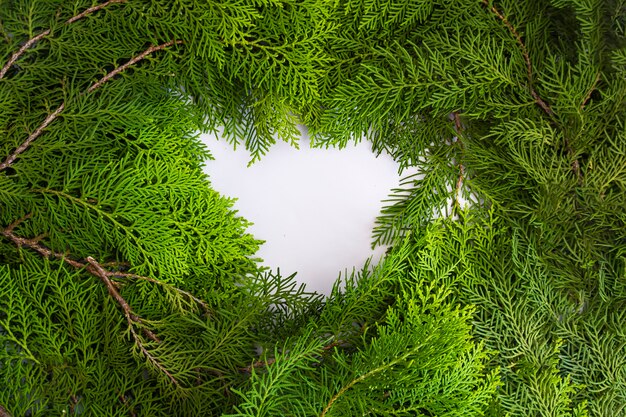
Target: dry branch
[{"x": 133, "y": 320}]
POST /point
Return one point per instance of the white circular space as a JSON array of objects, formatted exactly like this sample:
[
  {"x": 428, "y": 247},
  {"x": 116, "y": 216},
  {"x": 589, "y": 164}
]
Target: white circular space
[{"x": 314, "y": 208}]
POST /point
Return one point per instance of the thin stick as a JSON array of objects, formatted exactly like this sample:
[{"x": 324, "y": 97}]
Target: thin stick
[
  {"x": 132, "y": 320},
  {"x": 591, "y": 90},
  {"x": 92, "y": 10},
  {"x": 529, "y": 67},
  {"x": 13, "y": 156},
  {"x": 54, "y": 115},
  {"x": 4, "y": 412},
  {"x": 21, "y": 51},
  {"x": 134, "y": 60},
  {"x": 15, "y": 56}
]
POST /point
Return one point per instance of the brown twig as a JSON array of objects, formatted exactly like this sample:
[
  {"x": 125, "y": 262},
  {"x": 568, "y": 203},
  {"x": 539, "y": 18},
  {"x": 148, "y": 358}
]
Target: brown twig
[
  {"x": 13, "y": 156},
  {"x": 55, "y": 114},
  {"x": 37, "y": 38},
  {"x": 21, "y": 51},
  {"x": 34, "y": 245},
  {"x": 575, "y": 163},
  {"x": 96, "y": 269},
  {"x": 92, "y": 10},
  {"x": 529, "y": 67},
  {"x": 132, "y": 61},
  {"x": 4, "y": 412},
  {"x": 124, "y": 401},
  {"x": 591, "y": 90}
]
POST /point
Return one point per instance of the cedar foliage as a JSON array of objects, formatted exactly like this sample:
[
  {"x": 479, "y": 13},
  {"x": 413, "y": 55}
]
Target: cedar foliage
[{"x": 128, "y": 287}]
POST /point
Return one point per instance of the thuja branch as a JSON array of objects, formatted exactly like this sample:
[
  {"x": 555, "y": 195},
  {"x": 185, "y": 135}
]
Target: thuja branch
[
  {"x": 271, "y": 361},
  {"x": 28, "y": 44},
  {"x": 190, "y": 296},
  {"x": 529, "y": 66},
  {"x": 132, "y": 319},
  {"x": 55, "y": 114},
  {"x": 96, "y": 269},
  {"x": 369, "y": 374}
]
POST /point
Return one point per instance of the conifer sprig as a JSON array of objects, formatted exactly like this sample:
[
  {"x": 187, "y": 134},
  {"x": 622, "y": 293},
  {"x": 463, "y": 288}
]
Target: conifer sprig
[
  {"x": 29, "y": 43},
  {"x": 529, "y": 66},
  {"x": 131, "y": 318},
  {"x": 97, "y": 270},
  {"x": 55, "y": 114},
  {"x": 458, "y": 129}
]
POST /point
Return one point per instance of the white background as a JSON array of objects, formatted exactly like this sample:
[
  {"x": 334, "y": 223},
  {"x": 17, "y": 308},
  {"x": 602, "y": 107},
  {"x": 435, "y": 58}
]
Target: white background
[{"x": 315, "y": 208}]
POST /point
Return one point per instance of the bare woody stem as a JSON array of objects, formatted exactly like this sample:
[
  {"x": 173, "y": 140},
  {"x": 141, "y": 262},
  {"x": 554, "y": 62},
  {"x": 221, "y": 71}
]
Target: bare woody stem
[
  {"x": 4, "y": 412},
  {"x": 529, "y": 66},
  {"x": 13, "y": 156},
  {"x": 591, "y": 90},
  {"x": 15, "y": 56},
  {"x": 529, "y": 69},
  {"x": 96, "y": 269},
  {"x": 132, "y": 61},
  {"x": 55, "y": 114}
]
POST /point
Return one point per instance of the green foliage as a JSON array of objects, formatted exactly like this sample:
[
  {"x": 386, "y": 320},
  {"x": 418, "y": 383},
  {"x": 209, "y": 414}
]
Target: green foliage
[
  {"x": 417, "y": 358},
  {"x": 129, "y": 287}
]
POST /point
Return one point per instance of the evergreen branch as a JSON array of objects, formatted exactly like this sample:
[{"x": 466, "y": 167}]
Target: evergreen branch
[
  {"x": 54, "y": 115},
  {"x": 458, "y": 128},
  {"x": 96, "y": 269},
  {"x": 131, "y": 318},
  {"x": 366, "y": 375},
  {"x": 37, "y": 38},
  {"x": 103, "y": 213},
  {"x": 190, "y": 296},
  {"x": 529, "y": 67},
  {"x": 271, "y": 361}
]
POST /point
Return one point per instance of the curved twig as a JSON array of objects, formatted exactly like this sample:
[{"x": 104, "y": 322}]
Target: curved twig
[
  {"x": 529, "y": 66},
  {"x": 15, "y": 56},
  {"x": 55, "y": 114}
]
